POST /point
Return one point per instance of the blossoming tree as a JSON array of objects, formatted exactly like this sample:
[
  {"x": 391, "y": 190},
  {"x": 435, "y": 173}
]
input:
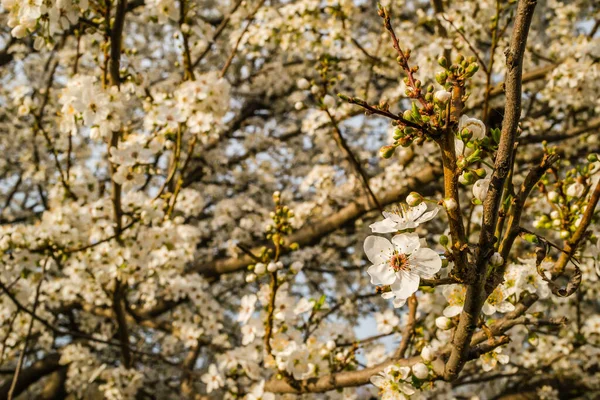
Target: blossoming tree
[{"x": 312, "y": 199}]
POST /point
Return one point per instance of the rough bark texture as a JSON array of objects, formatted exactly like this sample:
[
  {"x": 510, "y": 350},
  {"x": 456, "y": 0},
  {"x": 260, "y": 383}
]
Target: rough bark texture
[{"x": 476, "y": 295}]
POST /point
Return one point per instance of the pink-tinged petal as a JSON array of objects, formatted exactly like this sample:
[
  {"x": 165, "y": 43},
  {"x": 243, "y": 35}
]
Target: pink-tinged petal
[
  {"x": 406, "y": 243},
  {"x": 381, "y": 274},
  {"x": 429, "y": 215},
  {"x": 406, "y": 284},
  {"x": 426, "y": 262},
  {"x": 378, "y": 249},
  {"x": 385, "y": 226}
]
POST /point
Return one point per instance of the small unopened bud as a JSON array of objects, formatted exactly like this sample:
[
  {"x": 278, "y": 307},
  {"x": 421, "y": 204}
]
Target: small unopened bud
[
  {"x": 441, "y": 77},
  {"x": 427, "y": 353},
  {"x": 420, "y": 371},
  {"x": 387, "y": 151},
  {"x": 443, "y": 62},
  {"x": 299, "y": 105},
  {"x": 250, "y": 278},
  {"x": 496, "y": 260},
  {"x": 471, "y": 70},
  {"x": 443, "y": 323},
  {"x": 450, "y": 204},
  {"x": 442, "y": 96},
  {"x": 303, "y": 84},
  {"x": 260, "y": 268},
  {"x": 329, "y": 101},
  {"x": 414, "y": 199},
  {"x": 444, "y": 240},
  {"x": 272, "y": 267}
]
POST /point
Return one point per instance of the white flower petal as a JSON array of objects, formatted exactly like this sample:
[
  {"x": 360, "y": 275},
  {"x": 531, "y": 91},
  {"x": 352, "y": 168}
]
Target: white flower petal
[
  {"x": 378, "y": 249},
  {"x": 452, "y": 311},
  {"x": 381, "y": 274},
  {"x": 406, "y": 284},
  {"x": 385, "y": 226},
  {"x": 406, "y": 243},
  {"x": 429, "y": 215},
  {"x": 426, "y": 262},
  {"x": 398, "y": 302}
]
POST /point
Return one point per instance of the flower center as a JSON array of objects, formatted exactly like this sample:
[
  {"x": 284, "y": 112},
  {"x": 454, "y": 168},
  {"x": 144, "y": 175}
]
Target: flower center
[{"x": 399, "y": 262}]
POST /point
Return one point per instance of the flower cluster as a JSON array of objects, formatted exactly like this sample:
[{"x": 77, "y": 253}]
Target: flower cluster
[{"x": 401, "y": 263}]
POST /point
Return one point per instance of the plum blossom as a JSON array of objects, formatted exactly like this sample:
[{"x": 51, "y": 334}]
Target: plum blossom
[
  {"x": 404, "y": 218},
  {"x": 258, "y": 393},
  {"x": 212, "y": 379},
  {"x": 400, "y": 263},
  {"x": 491, "y": 359},
  {"x": 393, "y": 383},
  {"x": 497, "y": 302},
  {"x": 455, "y": 296},
  {"x": 247, "y": 308},
  {"x": 386, "y": 321}
]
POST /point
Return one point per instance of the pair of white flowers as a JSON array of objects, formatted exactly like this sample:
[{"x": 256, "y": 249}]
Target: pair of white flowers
[{"x": 402, "y": 262}]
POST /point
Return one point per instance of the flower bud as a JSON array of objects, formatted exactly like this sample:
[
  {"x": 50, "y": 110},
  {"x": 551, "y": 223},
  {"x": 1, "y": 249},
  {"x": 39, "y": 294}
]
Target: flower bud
[
  {"x": 496, "y": 260},
  {"x": 272, "y": 267},
  {"x": 329, "y": 101},
  {"x": 250, "y": 278},
  {"x": 442, "y": 96},
  {"x": 387, "y": 151},
  {"x": 576, "y": 190},
  {"x": 299, "y": 105},
  {"x": 414, "y": 199},
  {"x": 450, "y": 204},
  {"x": 471, "y": 70},
  {"x": 442, "y": 62},
  {"x": 443, "y": 323},
  {"x": 444, "y": 240},
  {"x": 303, "y": 84},
  {"x": 441, "y": 77},
  {"x": 260, "y": 268},
  {"x": 553, "y": 196},
  {"x": 420, "y": 371},
  {"x": 427, "y": 354}
]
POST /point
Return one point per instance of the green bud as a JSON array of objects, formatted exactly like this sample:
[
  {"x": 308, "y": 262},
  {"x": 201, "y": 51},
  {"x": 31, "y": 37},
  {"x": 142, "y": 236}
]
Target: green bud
[
  {"x": 408, "y": 115},
  {"x": 471, "y": 70},
  {"x": 444, "y": 240},
  {"x": 592, "y": 157},
  {"x": 441, "y": 77},
  {"x": 530, "y": 238},
  {"x": 443, "y": 62},
  {"x": 481, "y": 172},
  {"x": 387, "y": 151},
  {"x": 343, "y": 97},
  {"x": 398, "y": 133},
  {"x": 469, "y": 177},
  {"x": 459, "y": 58}
]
